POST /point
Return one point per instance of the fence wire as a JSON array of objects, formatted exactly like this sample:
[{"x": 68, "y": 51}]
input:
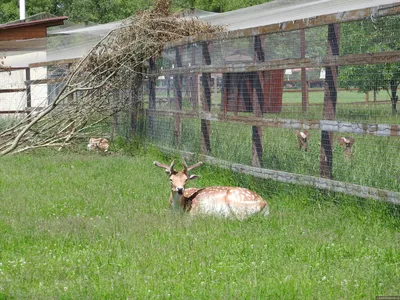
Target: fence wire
[{"x": 318, "y": 102}]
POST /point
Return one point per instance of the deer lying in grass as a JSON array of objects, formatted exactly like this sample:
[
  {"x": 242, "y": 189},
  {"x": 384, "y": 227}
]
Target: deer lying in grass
[
  {"x": 302, "y": 139},
  {"x": 98, "y": 144},
  {"x": 347, "y": 143},
  {"x": 218, "y": 200}
]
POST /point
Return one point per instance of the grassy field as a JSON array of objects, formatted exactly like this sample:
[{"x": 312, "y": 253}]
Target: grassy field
[
  {"x": 375, "y": 162},
  {"x": 351, "y": 107},
  {"x": 347, "y": 96},
  {"x": 80, "y": 226}
]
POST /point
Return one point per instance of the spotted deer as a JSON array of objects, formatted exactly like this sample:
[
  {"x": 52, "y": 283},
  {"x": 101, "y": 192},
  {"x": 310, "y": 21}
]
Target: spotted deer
[
  {"x": 98, "y": 144},
  {"x": 221, "y": 201},
  {"x": 302, "y": 139},
  {"x": 347, "y": 144}
]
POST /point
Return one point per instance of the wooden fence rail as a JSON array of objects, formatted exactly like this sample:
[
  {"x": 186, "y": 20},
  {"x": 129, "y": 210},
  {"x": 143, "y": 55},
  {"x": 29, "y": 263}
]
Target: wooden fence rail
[
  {"x": 328, "y": 125},
  {"x": 316, "y": 182}
]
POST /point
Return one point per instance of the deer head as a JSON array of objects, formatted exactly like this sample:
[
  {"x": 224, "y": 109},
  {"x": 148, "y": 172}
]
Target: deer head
[
  {"x": 347, "y": 143},
  {"x": 178, "y": 179}
]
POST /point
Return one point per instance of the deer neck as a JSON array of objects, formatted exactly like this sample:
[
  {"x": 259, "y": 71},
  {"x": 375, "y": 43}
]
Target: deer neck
[{"x": 177, "y": 201}]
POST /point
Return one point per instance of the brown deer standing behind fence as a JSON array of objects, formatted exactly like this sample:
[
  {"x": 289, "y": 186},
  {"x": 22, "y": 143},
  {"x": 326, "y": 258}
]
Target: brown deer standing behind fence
[
  {"x": 218, "y": 200},
  {"x": 347, "y": 144},
  {"x": 302, "y": 139}
]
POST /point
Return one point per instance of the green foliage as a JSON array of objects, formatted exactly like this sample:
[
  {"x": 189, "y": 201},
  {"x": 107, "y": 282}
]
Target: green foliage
[
  {"x": 78, "y": 11},
  {"x": 134, "y": 146},
  {"x": 91, "y": 226},
  {"x": 369, "y": 37},
  {"x": 103, "y": 11},
  {"x": 8, "y": 11},
  {"x": 217, "y": 5}
]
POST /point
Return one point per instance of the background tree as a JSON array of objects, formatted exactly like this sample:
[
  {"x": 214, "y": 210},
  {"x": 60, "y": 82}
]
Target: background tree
[
  {"x": 78, "y": 11},
  {"x": 217, "y": 5},
  {"x": 8, "y": 11},
  {"x": 103, "y": 11},
  {"x": 368, "y": 37}
]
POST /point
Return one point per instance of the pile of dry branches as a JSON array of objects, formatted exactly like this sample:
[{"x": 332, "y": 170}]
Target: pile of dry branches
[{"x": 115, "y": 64}]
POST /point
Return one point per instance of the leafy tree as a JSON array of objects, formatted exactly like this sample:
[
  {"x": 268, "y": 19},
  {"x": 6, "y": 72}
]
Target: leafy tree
[
  {"x": 78, "y": 11},
  {"x": 369, "y": 37},
  {"x": 8, "y": 11},
  {"x": 103, "y": 11},
  {"x": 217, "y": 5}
]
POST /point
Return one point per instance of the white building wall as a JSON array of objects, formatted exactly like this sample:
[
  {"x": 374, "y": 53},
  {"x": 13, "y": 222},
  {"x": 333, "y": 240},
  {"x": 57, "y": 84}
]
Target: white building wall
[
  {"x": 16, "y": 79},
  {"x": 12, "y": 80},
  {"x": 39, "y": 91}
]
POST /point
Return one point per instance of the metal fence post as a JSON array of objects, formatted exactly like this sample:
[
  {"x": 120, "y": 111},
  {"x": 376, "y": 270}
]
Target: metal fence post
[{"x": 330, "y": 99}]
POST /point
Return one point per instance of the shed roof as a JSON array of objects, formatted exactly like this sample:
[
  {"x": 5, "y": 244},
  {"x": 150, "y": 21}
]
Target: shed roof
[
  {"x": 47, "y": 22},
  {"x": 24, "y": 29},
  {"x": 273, "y": 12},
  {"x": 280, "y": 11},
  {"x": 73, "y": 42}
]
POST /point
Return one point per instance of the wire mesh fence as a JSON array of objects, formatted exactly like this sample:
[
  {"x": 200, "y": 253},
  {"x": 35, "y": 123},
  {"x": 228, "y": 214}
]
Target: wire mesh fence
[
  {"x": 314, "y": 100},
  {"x": 309, "y": 101}
]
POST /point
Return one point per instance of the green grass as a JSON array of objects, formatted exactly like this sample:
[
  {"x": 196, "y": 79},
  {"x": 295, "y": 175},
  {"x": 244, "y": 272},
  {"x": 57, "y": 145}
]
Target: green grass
[
  {"x": 80, "y": 226},
  {"x": 351, "y": 107},
  {"x": 317, "y": 97},
  {"x": 375, "y": 162}
]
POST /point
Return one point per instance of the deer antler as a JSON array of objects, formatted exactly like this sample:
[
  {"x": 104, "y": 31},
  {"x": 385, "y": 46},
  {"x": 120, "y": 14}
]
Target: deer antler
[
  {"x": 188, "y": 169},
  {"x": 168, "y": 169}
]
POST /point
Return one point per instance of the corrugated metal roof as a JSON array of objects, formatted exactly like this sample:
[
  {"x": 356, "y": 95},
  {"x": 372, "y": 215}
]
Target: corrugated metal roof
[
  {"x": 101, "y": 29},
  {"x": 274, "y": 12},
  {"x": 79, "y": 41},
  {"x": 280, "y": 11}
]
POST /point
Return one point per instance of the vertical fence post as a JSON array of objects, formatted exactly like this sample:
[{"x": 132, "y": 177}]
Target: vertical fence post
[
  {"x": 135, "y": 103},
  {"x": 178, "y": 97},
  {"x": 194, "y": 81},
  {"x": 114, "y": 129},
  {"x": 257, "y": 104},
  {"x": 152, "y": 94},
  {"x": 28, "y": 90},
  {"x": 70, "y": 96},
  {"x": 304, "y": 86},
  {"x": 330, "y": 100},
  {"x": 206, "y": 101},
  {"x": 225, "y": 93},
  {"x": 234, "y": 88}
]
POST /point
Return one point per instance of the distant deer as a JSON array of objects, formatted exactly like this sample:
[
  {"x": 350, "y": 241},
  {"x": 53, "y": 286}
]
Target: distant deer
[
  {"x": 302, "y": 139},
  {"x": 347, "y": 144},
  {"x": 221, "y": 201},
  {"x": 98, "y": 144}
]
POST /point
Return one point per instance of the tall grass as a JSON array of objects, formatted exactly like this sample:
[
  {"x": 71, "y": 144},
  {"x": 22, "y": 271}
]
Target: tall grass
[
  {"x": 79, "y": 226},
  {"x": 375, "y": 162}
]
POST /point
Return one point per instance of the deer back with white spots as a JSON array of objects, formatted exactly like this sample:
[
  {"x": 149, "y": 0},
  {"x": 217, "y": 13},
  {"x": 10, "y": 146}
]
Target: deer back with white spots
[
  {"x": 98, "y": 144},
  {"x": 221, "y": 201}
]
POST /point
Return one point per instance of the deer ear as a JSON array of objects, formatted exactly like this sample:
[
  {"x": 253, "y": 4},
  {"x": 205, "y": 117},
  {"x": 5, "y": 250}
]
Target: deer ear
[{"x": 191, "y": 177}]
